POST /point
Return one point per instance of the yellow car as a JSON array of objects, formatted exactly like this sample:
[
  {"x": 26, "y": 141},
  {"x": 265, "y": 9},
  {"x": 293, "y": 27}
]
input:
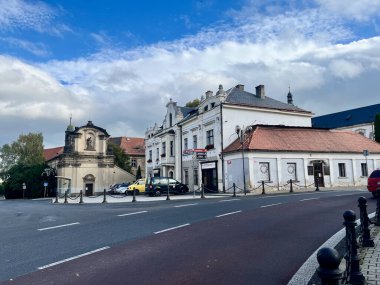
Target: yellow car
[{"x": 138, "y": 186}]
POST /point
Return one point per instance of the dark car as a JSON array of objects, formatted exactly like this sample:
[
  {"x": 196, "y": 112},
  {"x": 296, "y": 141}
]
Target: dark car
[
  {"x": 374, "y": 182},
  {"x": 159, "y": 185}
]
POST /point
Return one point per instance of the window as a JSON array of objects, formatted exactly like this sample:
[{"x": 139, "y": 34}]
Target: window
[
  {"x": 157, "y": 153},
  {"x": 195, "y": 141},
  {"x": 342, "y": 169},
  {"x": 186, "y": 175},
  {"x": 150, "y": 155},
  {"x": 264, "y": 171},
  {"x": 195, "y": 176},
  {"x": 171, "y": 148},
  {"x": 205, "y": 108},
  {"x": 133, "y": 163},
  {"x": 185, "y": 144},
  {"x": 210, "y": 137},
  {"x": 163, "y": 152},
  {"x": 364, "y": 169},
  {"x": 212, "y": 105},
  {"x": 170, "y": 120}
]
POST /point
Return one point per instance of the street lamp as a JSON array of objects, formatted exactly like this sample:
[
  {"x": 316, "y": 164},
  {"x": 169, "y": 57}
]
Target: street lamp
[{"x": 240, "y": 131}]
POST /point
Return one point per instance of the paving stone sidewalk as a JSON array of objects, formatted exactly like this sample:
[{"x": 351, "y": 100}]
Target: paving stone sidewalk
[{"x": 370, "y": 256}]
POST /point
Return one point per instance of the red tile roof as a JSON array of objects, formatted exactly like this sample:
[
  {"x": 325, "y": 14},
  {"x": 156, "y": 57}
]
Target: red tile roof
[
  {"x": 304, "y": 139},
  {"x": 51, "y": 153},
  {"x": 131, "y": 146}
]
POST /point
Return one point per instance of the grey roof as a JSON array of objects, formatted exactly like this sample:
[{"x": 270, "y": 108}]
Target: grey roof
[
  {"x": 240, "y": 97},
  {"x": 186, "y": 110}
]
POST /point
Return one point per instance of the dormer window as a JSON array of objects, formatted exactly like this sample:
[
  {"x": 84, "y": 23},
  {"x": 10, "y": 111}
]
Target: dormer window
[
  {"x": 212, "y": 105},
  {"x": 205, "y": 108}
]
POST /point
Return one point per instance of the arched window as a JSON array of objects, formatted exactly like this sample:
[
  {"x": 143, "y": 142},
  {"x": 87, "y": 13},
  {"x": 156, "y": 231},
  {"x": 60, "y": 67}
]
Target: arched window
[{"x": 170, "y": 120}]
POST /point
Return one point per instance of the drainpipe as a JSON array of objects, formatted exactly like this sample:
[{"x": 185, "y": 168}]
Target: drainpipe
[
  {"x": 180, "y": 148},
  {"x": 221, "y": 145}
]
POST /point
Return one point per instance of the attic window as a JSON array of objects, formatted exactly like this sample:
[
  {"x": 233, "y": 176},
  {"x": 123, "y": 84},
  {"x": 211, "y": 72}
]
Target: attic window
[
  {"x": 205, "y": 108},
  {"x": 212, "y": 104}
]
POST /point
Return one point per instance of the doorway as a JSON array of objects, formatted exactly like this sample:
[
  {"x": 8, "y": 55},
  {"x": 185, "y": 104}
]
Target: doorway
[
  {"x": 318, "y": 173},
  {"x": 89, "y": 189},
  {"x": 210, "y": 177}
]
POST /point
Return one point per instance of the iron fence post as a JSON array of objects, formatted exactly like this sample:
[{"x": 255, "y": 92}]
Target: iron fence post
[
  {"x": 262, "y": 184},
  {"x": 291, "y": 185},
  {"x": 203, "y": 191},
  {"x": 317, "y": 183},
  {"x": 355, "y": 277},
  {"x": 234, "y": 195},
  {"x": 134, "y": 195},
  {"x": 81, "y": 197},
  {"x": 104, "y": 196},
  {"x": 65, "y": 197},
  {"x": 56, "y": 197},
  {"x": 328, "y": 270},
  {"x": 364, "y": 223}
]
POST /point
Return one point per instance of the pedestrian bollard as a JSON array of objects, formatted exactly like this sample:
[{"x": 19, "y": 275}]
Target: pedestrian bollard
[
  {"x": 291, "y": 185},
  {"x": 104, "y": 196},
  {"x": 56, "y": 197},
  {"x": 65, "y": 198},
  {"x": 364, "y": 223},
  {"x": 81, "y": 197},
  {"x": 328, "y": 270},
  {"x": 377, "y": 216},
  {"x": 355, "y": 277},
  {"x": 203, "y": 191},
  {"x": 234, "y": 186},
  {"x": 263, "y": 185},
  {"x": 316, "y": 183},
  {"x": 167, "y": 194},
  {"x": 134, "y": 195}
]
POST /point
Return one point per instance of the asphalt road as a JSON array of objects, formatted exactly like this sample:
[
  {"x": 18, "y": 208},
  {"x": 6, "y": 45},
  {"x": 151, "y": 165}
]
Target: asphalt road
[{"x": 245, "y": 240}]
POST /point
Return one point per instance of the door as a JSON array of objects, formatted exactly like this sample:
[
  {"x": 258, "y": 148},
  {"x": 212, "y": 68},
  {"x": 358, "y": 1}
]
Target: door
[
  {"x": 209, "y": 180},
  {"x": 318, "y": 173},
  {"x": 89, "y": 189}
]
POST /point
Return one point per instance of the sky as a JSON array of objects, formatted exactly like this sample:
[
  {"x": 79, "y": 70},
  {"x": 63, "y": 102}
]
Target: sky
[{"x": 118, "y": 62}]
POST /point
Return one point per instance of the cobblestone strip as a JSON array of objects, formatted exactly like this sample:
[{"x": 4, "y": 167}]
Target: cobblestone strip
[{"x": 370, "y": 256}]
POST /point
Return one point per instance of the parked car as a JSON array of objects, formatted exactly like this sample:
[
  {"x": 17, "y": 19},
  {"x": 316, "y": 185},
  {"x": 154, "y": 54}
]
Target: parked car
[
  {"x": 159, "y": 185},
  {"x": 120, "y": 188},
  {"x": 374, "y": 182},
  {"x": 138, "y": 186}
]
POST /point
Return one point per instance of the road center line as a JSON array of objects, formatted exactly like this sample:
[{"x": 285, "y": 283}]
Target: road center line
[
  {"x": 231, "y": 213},
  {"x": 308, "y": 199},
  {"x": 129, "y": 214},
  {"x": 229, "y": 200},
  {"x": 60, "y": 226},
  {"x": 270, "y": 205},
  {"x": 169, "y": 229},
  {"x": 74, "y": 257},
  {"x": 185, "y": 205}
]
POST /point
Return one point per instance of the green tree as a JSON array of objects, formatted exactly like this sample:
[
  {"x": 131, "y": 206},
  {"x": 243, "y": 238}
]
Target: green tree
[
  {"x": 22, "y": 162},
  {"x": 192, "y": 104},
  {"x": 121, "y": 158},
  {"x": 138, "y": 172},
  {"x": 377, "y": 128}
]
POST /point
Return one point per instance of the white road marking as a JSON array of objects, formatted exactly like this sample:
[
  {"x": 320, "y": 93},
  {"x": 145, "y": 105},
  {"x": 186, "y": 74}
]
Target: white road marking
[
  {"x": 129, "y": 214},
  {"x": 231, "y": 213},
  {"x": 270, "y": 205},
  {"x": 309, "y": 199},
  {"x": 229, "y": 200},
  {"x": 169, "y": 229},
  {"x": 185, "y": 205},
  {"x": 60, "y": 226},
  {"x": 74, "y": 257}
]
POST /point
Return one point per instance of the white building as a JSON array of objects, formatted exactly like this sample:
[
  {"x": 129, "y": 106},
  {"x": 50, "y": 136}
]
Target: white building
[
  {"x": 276, "y": 154},
  {"x": 359, "y": 120},
  {"x": 209, "y": 128}
]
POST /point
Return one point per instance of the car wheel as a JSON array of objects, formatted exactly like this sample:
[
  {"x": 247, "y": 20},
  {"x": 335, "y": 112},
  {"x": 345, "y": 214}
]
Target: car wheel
[
  {"x": 158, "y": 193},
  {"x": 126, "y": 192}
]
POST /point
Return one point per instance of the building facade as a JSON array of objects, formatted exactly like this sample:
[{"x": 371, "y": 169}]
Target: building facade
[
  {"x": 200, "y": 136},
  {"x": 276, "y": 154},
  {"x": 360, "y": 120},
  {"x": 84, "y": 163}
]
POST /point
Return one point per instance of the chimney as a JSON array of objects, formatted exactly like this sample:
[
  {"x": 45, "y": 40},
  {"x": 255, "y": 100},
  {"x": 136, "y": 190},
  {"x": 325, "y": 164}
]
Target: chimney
[
  {"x": 240, "y": 87},
  {"x": 208, "y": 94},
  {"x": 260, "y": 91}
]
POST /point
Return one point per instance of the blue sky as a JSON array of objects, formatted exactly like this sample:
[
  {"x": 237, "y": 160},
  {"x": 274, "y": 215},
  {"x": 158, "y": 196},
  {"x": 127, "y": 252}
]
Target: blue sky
[{"x": 103, "y": 60}]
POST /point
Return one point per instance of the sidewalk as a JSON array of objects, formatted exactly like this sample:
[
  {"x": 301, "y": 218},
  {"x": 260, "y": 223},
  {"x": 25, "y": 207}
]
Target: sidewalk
[{"x": 370, "y": 256}]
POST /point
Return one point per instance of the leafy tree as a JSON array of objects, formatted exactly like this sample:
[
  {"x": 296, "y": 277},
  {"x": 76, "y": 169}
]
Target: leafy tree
[
  {"x": 121, "y": 158},
  {"x": 27, "y": 151},
  {"x": 138, "y": 172},
  {"x": 1, "y": 189},
  {"x": 377, "y": 128},
  {"x": 22, "y": 162},
  {"x": 192, "y": 104}
]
